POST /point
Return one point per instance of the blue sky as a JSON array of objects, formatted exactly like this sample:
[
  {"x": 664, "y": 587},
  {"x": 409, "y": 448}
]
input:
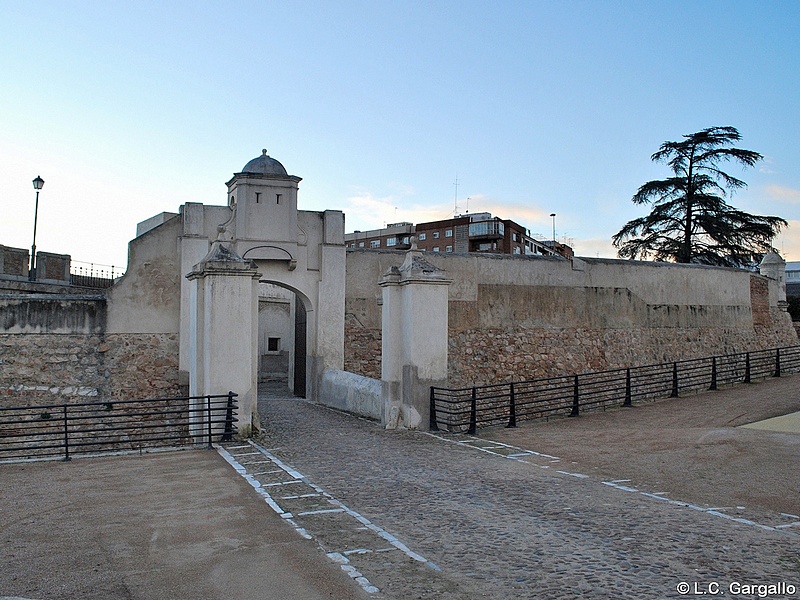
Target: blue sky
[{"x": 127, "y": 110}]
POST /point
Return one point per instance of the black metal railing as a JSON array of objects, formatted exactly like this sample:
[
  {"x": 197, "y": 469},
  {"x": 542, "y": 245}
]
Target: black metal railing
[
  {"x": 467, "y": 409},
  {"x": 93, "y": 275},
  {"x": 62, "y": 430}
]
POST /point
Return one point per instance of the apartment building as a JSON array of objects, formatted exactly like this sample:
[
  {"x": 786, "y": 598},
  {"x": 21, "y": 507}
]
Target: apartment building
[
  {"x": 395, "y": 236},
  {"x": 477, "y": 232}
]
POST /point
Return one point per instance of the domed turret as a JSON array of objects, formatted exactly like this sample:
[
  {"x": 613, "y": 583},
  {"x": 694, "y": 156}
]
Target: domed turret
[
  {"x": 774, "y": 267},
  {"x": 265, "y": 197},
  {"x": 264, "y": 165}
]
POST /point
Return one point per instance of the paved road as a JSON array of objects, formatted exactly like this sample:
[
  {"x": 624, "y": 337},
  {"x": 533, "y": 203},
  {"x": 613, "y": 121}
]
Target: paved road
[{"x": 478, "y": 519}]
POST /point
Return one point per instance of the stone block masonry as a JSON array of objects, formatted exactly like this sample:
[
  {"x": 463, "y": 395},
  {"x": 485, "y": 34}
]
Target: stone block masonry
[
  {"x": 363, "y": 355},
  {"x": 520, "y": 318},
  {"x": 479, "y": 357},
  {"x": 56, "y": 368}
]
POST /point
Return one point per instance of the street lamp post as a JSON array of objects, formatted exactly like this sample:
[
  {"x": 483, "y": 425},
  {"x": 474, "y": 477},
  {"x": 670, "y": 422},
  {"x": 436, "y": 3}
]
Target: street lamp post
[
  {"x": 553, "y": 215},
  {"x": 38, "y": 183}
]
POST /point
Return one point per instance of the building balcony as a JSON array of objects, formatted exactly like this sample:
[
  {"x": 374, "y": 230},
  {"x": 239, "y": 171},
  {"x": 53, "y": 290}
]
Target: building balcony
[{"x": 486, "y": 230}]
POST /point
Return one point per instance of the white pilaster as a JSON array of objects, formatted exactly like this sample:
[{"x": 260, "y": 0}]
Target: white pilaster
[
  {"x": 224, "y": 331},
  {"x": 414, "y": 339}
]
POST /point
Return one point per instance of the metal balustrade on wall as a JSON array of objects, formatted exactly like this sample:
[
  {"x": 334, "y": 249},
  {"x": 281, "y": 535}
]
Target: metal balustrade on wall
[
  {"x": 466, "y": 409},
  {"x": 93, "y": 275},
  {"x": 67, "y": 429}
]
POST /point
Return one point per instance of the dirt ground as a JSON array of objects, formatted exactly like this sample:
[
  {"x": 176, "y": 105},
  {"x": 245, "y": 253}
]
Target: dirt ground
[
  {"x": 692, "y": 447},
  {"x": 174, "y": 525}
]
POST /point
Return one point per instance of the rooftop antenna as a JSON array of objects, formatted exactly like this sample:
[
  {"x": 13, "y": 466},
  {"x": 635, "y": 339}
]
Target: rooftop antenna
[
  {"x": 455, "y": 200},
  {"x": 467, "y": 205}
]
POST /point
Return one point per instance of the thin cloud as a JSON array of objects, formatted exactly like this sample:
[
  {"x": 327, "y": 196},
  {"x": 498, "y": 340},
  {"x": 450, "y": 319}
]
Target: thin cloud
[
  {"x": 783, "y": 193},
  {"x": 788, "y": 241},
  {"x": 765, "y": 166},
  {"x": 530, "y": 216},
  {"x": 594, "y": 248},
  {"x": 365, "y": 210}
]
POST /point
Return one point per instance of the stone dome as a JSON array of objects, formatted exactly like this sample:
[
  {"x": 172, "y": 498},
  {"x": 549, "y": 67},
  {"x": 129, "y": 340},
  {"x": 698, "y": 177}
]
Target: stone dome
[
  {"x": 772, "y": 258},
  {"x": 265, "y": 165}
]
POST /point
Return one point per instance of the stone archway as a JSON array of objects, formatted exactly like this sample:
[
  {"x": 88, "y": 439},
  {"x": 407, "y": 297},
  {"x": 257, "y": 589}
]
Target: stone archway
[
  {"x": 283, "y": 336},
  {"x": 259, "y": 236}
]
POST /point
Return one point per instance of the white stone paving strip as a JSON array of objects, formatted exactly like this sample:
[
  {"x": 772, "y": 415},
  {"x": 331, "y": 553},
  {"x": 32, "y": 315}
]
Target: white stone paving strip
[
  {"x": 298, "y": 477},
  {"x": 617, "y": 486},
  {"x": 578, "y": 475},
  {"x": 615, "y": 483}
]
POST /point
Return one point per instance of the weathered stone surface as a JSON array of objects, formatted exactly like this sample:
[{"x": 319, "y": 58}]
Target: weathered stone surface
[
  {"x": 56, "y": 368},
  {"x": 512, "y": 319},
  {"x": 362, "y": 348}
]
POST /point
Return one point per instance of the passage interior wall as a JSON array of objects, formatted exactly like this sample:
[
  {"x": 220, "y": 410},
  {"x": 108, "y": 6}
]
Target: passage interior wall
[{"x": 514, "y": 318}]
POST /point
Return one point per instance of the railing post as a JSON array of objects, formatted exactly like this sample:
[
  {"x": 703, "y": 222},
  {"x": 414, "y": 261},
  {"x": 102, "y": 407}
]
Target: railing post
[
  {"x": 747, "y": 368},
  {"x": 473, "y": 413},
  {"x": 713, "y": 385},
  {"x": 674, "y": 393},
  {"x": 228, "y": 435},
  {"x": 434, "y": 426},
  {"x": 66, "y": 436},
  {"x": 512, "y": 407},
  {"x": 627, "y": 402},
  {"x": 777, "y": 362},
  {"x": 208, "y": 418},
  {"x": 576, "y": 401}
]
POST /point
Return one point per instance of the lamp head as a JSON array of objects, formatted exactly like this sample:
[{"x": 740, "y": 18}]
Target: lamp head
[{"x": 38, "y": 183}]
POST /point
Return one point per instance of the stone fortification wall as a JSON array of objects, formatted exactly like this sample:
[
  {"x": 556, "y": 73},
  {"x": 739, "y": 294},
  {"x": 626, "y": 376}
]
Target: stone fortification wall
[
  {"x": 124, "y": 344},
  {"x": 147, "y": 297},
  {"x": 52, "y": 313},
  {"x": 513, "y": 318},
  {"x": 56, "y": 368},
  {"x": 362, "y": 342}
]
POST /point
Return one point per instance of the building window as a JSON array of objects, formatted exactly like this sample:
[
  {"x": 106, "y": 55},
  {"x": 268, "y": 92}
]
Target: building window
[
  {"x": 375, "y": 244},
  {"x": 360, "y": 244},
  {"x": 436, "y": 248},
  {"x": 436, "y": 235},
  {"x": 517, "y": 250},
  {"x": 273, "y": 344},
  {"x": 423, "y": 236},
  {"x": 448, "y": 233},
  {"x": 448, "y": 249},
  {"x": 486, "y": 228},
  {"x": 391, "y": 241}
]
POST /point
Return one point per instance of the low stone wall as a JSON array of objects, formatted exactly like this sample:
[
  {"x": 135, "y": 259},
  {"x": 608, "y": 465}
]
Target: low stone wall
[
  {"x": 352, "y": 393},
  {"x": 62, "y": 367}
]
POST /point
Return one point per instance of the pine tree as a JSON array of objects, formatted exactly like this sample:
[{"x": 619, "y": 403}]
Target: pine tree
[{"x": 691, "y": 222}]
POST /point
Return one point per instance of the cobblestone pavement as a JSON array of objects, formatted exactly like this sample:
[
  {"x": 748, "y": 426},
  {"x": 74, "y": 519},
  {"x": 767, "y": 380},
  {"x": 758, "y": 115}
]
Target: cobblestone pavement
[{"x": 413, "y": 515}]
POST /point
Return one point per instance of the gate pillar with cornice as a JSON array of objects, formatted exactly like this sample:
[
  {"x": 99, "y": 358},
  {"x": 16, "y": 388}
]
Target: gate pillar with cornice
[{"x": 414, "y": 339}]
